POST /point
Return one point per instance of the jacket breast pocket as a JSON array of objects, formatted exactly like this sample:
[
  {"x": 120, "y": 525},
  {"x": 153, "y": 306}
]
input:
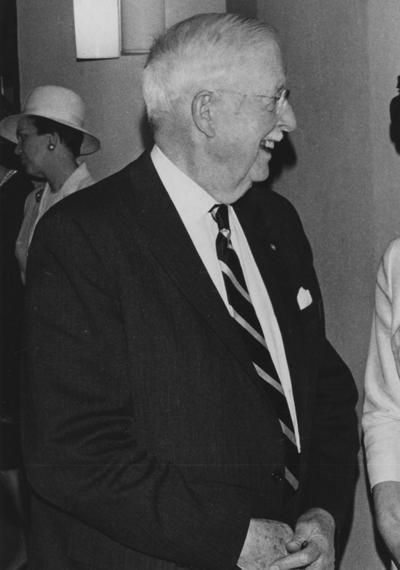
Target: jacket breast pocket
[{"x": 312, "y": 314}]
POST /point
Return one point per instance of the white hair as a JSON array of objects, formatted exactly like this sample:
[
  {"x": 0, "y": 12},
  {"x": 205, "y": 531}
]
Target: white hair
[{"x": 201, "y": 48}]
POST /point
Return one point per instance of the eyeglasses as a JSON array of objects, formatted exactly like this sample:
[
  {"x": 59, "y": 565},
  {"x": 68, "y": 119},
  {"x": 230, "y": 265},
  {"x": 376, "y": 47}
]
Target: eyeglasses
[{"x": 273, "y": 103}]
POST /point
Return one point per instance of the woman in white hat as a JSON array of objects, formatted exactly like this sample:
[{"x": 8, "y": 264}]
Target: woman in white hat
[{"x": 50, "y": 137}]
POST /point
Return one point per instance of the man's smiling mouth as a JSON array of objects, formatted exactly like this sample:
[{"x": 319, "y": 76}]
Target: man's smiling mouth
[{"x": 267, "y": 144}]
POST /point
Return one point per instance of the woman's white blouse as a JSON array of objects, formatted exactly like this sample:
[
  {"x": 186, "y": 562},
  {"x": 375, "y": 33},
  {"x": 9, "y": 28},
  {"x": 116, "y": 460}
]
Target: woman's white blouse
[{"x": 381, "y": 415}]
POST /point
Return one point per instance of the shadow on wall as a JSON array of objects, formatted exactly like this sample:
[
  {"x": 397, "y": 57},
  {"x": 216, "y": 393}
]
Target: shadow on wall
[{"x": 284, "y": 157}]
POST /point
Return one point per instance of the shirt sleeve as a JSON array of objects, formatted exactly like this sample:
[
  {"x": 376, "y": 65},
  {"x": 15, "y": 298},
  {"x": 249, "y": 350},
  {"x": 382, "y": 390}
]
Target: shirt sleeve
[{"x": 381, "y": 414}]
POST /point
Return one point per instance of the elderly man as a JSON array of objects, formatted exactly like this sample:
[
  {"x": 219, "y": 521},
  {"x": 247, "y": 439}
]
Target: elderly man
[{"x": 183, "y": 407}]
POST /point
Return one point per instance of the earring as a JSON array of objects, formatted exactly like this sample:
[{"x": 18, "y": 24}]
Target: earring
[{"x": 51, "y": 146}]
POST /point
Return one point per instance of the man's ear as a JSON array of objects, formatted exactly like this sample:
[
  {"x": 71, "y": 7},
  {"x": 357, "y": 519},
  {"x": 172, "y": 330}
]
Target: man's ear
[{"x": 202, "y": 112}]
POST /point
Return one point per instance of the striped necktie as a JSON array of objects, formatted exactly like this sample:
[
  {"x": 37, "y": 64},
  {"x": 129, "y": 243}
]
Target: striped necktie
[{"x": 243, "y": 313}]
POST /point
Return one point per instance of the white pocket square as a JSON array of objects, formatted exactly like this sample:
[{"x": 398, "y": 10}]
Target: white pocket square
[{"x": 304, "y": 298}]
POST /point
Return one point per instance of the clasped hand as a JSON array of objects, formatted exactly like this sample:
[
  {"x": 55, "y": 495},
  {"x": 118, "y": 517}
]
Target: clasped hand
[{"x": 272, "y": 545}]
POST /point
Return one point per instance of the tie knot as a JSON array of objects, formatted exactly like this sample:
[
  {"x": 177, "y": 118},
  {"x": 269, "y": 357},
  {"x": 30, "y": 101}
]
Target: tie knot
[{"x": 220, "y": 214}]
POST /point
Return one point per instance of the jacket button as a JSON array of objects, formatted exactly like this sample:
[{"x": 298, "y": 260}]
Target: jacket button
[{"x": 277, "y": 476}]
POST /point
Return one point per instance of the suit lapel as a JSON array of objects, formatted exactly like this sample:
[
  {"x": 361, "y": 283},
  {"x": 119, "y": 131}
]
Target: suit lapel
[{"x": 171, "y": 245}]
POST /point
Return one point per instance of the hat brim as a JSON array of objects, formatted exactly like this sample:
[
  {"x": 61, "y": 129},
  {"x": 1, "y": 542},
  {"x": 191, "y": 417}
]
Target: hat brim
[{"x": 8, "y": 130}]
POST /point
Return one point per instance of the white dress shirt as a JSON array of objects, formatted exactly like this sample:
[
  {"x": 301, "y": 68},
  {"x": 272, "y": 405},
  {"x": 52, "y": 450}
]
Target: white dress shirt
[
  {"x": 381, "y": 415},
  {"x": 193, "y": 205}
]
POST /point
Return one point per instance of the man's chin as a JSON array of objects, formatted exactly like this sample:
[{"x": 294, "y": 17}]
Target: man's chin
[
  {"x": 261, "y": 174},
  {"x": 260, "y": 169}
]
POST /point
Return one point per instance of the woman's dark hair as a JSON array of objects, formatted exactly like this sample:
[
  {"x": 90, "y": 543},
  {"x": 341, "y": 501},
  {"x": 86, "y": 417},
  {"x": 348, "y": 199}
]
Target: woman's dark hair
[
  {"x": 7, "y": 155},
  {"x": 69, "y": 136}
]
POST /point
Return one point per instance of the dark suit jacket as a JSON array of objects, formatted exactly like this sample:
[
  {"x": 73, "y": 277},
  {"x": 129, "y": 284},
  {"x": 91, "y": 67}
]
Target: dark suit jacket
[
  {"x": 12, "y": 198},
  {"x": 148, "y": 438}
]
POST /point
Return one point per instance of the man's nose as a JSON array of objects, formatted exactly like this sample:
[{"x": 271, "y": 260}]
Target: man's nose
[
  {"x": 17, "y": 149},
  {"x": 287, "y": 120}
]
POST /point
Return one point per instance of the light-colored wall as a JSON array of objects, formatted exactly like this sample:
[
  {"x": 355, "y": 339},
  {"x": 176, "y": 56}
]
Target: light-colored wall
[{"x": 343, "y": 62}]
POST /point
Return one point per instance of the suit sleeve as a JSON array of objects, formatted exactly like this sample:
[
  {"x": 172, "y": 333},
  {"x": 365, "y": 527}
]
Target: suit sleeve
[
  {"x": 381, "y": 415},
  {"x": 81, "y": 450},
  {"x": 332, "y": 466}
]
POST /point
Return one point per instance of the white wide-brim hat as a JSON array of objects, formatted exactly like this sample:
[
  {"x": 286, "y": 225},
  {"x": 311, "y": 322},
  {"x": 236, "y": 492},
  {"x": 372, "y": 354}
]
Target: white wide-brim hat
[{"x": 57, "y": 103}]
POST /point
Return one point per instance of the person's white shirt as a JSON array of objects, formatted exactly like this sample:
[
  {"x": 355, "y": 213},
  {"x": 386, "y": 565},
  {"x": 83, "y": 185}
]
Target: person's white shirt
[
  {"x": 193, "y": 205},
  {"x": 381, "y": 414}
]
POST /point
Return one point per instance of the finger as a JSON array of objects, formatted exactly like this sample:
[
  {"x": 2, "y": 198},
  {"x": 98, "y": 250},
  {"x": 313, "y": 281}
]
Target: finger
[
  {"x": 301, "y": 536},
  {"x": 300, "y": 559},
  {"x": 295, "y": 545}
]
